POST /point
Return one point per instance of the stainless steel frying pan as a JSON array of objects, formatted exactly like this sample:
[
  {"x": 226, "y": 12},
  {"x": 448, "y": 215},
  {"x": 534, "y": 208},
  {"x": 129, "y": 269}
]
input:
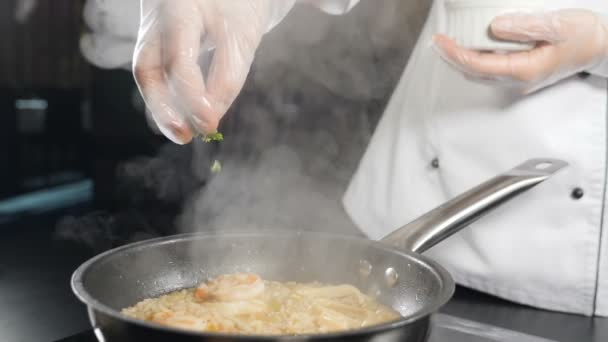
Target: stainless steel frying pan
[{"x": 392, "y": 269}]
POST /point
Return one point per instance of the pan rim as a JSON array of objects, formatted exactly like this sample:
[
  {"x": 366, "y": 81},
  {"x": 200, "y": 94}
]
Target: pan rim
[{"x": 85, "y": 297}]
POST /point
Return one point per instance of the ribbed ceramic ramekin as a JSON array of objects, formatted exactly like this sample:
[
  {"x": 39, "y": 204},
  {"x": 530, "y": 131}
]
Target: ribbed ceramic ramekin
[{"x": 468, "y": 22}]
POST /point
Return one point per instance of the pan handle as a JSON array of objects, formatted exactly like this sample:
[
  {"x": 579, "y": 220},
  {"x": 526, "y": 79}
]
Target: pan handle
[{"x": 449, "y": 218}]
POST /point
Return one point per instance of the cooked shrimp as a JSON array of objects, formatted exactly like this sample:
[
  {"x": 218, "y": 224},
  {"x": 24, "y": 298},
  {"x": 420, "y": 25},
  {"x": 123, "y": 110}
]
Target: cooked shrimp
[{"x": 231, "y": 287}]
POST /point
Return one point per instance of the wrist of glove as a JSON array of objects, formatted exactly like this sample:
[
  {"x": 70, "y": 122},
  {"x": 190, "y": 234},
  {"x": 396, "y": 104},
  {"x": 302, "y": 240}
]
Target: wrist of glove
[{"x": 567, "y": 42}]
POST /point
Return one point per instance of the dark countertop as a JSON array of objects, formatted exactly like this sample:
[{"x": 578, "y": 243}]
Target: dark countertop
[
  {"x": 35, "y": 268},
  {"x": 551, "y": 325}
]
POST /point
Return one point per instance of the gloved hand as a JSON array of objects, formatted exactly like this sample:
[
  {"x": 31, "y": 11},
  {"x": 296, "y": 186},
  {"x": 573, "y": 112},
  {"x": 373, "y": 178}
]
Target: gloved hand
[
  {"x": 568, "y": 41},
  {"x": 182, "y": 100}
]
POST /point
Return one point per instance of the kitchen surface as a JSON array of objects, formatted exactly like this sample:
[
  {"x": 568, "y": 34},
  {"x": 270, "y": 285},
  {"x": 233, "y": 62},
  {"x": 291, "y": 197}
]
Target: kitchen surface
[{"x": 83, "y": 171}]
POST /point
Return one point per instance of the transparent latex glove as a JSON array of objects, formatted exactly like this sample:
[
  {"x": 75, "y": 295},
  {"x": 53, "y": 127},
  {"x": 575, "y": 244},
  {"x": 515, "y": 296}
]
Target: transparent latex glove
[
  {"x": 568, "y": 42},
  {"x": 183, "y": 99}
]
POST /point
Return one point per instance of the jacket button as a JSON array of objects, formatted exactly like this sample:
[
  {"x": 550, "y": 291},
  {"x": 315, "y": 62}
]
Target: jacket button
[
  {"x": 583, "y": 75},
  {"x": 577, "y": 193},
  {"x": 435, "y": 163}
]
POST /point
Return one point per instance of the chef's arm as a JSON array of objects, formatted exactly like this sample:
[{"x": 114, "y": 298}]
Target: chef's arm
[{"x": 113, "y": 28}]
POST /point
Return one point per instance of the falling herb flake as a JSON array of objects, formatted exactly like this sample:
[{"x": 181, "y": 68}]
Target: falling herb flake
[
  {"x": 216, "y": 167},
  {"x": 213, "y": 137}
]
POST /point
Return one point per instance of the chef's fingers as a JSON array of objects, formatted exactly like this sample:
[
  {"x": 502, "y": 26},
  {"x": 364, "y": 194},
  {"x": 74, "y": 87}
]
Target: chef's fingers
[
  {"x": 181, "y": 39},
  {"x": 527, "y": 66},
  {"x": 149, "y": 73},
  {"x": 529, "y": 27},
  {"x": 229, "y": 69}
]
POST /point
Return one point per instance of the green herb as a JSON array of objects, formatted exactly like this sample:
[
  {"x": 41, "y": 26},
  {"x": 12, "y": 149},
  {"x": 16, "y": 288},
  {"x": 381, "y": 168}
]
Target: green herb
[
  {"x": 213, "y": 137},
  {"x": 216, "y": 167}
]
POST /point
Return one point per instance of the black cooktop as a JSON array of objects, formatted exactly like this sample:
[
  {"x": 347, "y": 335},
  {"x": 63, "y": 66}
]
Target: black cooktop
[
  {"x": 86, "y": 336},
  {"x": 445, "y": 329}
]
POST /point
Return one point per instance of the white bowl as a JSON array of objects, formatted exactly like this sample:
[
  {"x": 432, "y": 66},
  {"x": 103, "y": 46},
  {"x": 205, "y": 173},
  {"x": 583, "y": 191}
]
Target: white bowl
[{"x": 468, "y": 22}]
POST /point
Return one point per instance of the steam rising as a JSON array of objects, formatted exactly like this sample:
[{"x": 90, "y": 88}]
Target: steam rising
[
  {"x": 275, "y": 191},
  {"x": 298, "y": 130},
  {"x": 101, "y": 231},
  {"x": 295, "y": 135}
]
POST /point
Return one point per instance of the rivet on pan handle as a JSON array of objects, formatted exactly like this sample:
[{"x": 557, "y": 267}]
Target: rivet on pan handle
[{"x": 449, "y": 218}]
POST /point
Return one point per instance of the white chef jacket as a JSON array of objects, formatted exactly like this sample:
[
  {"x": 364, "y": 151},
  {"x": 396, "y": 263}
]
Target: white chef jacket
[{"x": 442, "y": 134}]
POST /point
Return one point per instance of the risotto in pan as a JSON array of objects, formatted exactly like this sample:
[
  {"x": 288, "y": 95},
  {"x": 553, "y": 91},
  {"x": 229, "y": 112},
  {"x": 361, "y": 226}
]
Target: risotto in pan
[{"x": 246, "y": 304}]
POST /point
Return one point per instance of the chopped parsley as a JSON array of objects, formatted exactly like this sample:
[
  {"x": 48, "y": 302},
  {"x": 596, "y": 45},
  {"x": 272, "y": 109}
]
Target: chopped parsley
[
  {"x": 213, "y": 137},
  {"x": 216, "y": 167}
]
